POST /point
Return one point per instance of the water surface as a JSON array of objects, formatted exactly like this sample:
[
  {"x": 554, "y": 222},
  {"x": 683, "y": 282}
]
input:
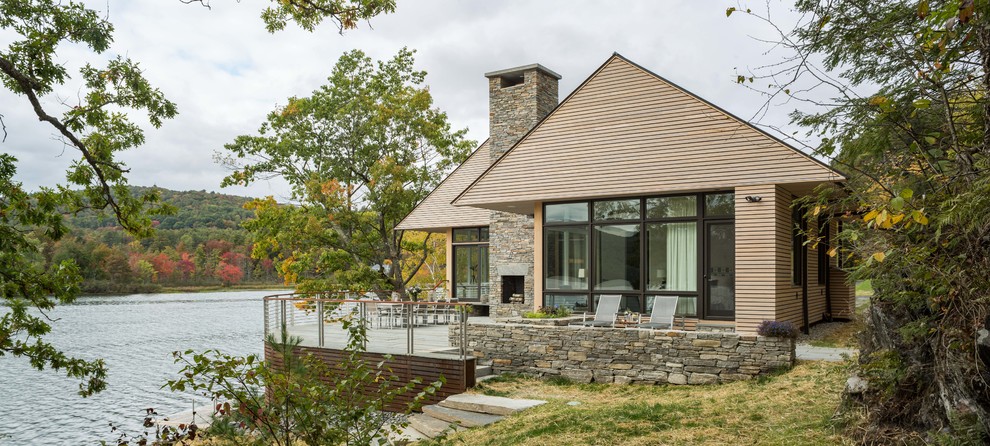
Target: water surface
[{"x": 136, "y": 335}]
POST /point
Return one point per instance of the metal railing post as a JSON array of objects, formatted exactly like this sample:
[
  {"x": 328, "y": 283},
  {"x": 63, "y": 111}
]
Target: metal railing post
[
  {"x": 409, "y": 329},
  {"x": 266, "y": 302},
  {"x": 463, "y": 322},
  {"x": 363, "y": 311},
  {"x": 319, "y": 315},
  {"x": 284, "y": 327}
]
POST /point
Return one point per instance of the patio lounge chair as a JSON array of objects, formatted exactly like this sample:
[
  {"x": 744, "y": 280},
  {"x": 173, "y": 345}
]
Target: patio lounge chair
[
  {"x": 605, "y": 312},
  {"x": 662, "y": 315}
]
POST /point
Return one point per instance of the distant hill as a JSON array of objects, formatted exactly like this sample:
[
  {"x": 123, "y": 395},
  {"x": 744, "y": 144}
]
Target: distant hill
[{"x": 196, "y": 209}]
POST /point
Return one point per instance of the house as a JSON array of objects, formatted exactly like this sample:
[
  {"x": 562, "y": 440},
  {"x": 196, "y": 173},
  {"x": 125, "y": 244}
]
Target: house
[{"x": 633, "y": 186}]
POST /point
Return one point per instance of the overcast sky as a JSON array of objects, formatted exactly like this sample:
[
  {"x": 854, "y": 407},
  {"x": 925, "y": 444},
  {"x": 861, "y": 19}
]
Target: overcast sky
[{"x": 225, "y": 72}]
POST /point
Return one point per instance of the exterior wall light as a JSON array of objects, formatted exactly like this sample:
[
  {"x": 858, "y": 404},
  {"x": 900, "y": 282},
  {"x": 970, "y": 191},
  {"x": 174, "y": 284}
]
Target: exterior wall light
[{"x": 754, "y": 198}]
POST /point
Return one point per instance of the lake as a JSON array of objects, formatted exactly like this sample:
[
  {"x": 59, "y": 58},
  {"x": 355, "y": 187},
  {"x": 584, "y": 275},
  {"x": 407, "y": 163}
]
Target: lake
[{"x": 136, "y": 335}]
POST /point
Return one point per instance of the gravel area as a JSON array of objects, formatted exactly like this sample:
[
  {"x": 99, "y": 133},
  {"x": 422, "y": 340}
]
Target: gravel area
[{"x": 819, "y": 332}]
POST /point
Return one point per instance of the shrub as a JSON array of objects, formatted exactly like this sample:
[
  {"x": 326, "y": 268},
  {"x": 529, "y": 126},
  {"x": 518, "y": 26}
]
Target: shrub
[
  {"x": 777, "y": 329},
  {"x": 548, "y": 313},
  {"x": 296, "y": 399}
]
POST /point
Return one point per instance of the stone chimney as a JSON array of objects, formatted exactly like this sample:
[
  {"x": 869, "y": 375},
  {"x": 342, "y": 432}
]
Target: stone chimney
[{"x": 518, "y": 99}]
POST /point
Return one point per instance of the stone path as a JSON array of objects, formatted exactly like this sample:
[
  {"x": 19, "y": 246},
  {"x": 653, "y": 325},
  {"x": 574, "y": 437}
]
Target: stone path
[
  {"x": 459, "y": 412},
  {"x": 812, "y": 353}
]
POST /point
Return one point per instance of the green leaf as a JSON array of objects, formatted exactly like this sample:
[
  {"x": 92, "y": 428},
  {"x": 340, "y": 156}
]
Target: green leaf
[
  {"x": 729, "y": 11},
  {"x": 906, "y": 193},
  {"x": 930, "y": 140},
  {"x": 922, "y": 103},
  {"x": 897, "y": 203}
]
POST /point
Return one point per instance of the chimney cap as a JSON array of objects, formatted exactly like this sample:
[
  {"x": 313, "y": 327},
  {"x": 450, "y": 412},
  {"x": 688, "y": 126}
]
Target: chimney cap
[{"x": 509, "y": 72}]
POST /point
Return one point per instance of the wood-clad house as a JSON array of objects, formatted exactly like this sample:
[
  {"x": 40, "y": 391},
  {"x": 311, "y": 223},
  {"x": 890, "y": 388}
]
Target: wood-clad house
[{"x": 632, "y": 186}]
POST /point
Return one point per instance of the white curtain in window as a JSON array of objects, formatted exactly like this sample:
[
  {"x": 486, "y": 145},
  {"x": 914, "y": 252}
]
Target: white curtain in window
[{"x": 682, "y": 256}]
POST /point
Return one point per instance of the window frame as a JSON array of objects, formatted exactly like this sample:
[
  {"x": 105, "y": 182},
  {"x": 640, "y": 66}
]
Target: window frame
[{"x": 642, "y": 294}]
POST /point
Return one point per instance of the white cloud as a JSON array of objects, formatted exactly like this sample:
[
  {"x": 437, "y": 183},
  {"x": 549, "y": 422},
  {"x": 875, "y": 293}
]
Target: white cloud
[{"x": 226, "y": 72}]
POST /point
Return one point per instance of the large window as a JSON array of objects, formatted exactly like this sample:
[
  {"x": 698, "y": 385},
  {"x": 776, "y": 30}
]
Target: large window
[
  {"x": 566, "y": 254},
  {"x": 617, "y": 261},
  {"x": 470, "y": 263},
  {"x": 641, "y": 248}
]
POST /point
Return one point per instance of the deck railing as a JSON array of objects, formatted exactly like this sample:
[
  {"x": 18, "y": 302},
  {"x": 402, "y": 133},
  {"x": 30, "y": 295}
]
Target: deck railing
[{"x": 318, "y": 319}]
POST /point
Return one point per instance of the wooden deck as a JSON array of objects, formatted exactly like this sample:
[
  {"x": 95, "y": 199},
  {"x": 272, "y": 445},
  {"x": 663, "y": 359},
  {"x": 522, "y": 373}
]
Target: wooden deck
[{"x": 459, "y": 373}]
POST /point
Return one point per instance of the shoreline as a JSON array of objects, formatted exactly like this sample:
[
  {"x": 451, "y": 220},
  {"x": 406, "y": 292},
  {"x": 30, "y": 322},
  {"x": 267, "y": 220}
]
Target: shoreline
[{"x": 192, "y": 289}]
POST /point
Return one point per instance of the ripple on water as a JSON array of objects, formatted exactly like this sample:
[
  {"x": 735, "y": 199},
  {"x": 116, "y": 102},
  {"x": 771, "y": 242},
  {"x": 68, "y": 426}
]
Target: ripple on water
[{"x": 136, "y": 336}]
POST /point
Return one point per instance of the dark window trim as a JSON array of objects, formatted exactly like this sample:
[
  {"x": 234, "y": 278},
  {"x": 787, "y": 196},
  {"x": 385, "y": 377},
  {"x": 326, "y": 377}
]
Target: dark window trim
[
  {"x": 700, "y": 217},
  {"x": 799, "y": 252},
  {"x": 824, "y": 244}
]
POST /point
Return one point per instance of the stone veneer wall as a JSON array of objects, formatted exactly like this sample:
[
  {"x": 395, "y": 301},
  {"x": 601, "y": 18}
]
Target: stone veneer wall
[
  {"x": 623, "y": 356},
  {"x": 510, "y": 241},
  {"x": 514, "y": 110}
]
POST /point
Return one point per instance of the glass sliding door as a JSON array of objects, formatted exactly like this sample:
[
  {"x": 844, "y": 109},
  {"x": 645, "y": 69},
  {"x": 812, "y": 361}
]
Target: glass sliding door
[
  {"x": 470, "y": 271},
  {"x": 720, "y": 270},
  {"x": 672, "y": 261},
  {"x": 470, "y": 263}
]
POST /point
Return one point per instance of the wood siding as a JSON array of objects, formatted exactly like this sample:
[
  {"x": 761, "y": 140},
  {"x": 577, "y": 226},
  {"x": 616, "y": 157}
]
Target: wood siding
[
  {"x": 756, "y": 270},
  {"x": 436, "y": 213},
  {"x": 538, "y": 261},
  {"x": 449, "y": 266},
  {"x": 789, "y": 299},
  {"x": 843, "y": 292},
  {"x": 628, "y": 132},
  {"x": 458, "y": 373}
]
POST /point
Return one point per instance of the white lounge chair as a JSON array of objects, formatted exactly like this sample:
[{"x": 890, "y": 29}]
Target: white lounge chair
[
  {"x": 605, "y": 312},
  {"x": 662, "y": 315}
]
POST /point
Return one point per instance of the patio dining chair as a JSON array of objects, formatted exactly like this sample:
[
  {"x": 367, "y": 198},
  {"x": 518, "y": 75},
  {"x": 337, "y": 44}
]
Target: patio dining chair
[
  {"x": 662, "y": 315},
  {"x": 605, "y": 312},
  {"x": 391, "y": 314}
]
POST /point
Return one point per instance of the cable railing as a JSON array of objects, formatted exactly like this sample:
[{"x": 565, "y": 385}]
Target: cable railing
[{"x": 392, "y": 327}]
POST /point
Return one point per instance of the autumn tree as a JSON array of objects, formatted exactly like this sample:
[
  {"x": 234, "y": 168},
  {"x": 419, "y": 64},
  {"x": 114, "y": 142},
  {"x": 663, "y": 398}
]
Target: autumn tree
[
  {"x": 359, "y": 153},
  {"x": 897, "y": 98}
]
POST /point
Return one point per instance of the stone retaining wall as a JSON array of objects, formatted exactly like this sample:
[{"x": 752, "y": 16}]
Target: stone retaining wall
[{"x": 622, "y": 356}]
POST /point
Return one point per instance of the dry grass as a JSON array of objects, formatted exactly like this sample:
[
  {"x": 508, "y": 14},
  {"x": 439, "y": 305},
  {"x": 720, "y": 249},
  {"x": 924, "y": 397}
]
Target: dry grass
[{"x": 793, "y": 408}]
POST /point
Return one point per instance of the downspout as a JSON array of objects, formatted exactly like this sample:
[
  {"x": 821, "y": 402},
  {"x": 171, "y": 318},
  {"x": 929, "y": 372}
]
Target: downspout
[{"x": 804, "y": 276}]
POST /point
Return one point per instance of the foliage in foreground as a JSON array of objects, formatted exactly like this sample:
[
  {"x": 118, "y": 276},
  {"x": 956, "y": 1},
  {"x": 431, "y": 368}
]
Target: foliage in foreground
[
  {"x": 296, "y": 398},
  {"x": 97, "y": 126},
  {"x": 910, "y": 124}
]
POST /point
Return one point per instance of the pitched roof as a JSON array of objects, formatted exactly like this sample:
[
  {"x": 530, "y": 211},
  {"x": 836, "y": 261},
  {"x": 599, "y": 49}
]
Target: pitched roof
[
  {"x": 436, "y": 213},
  {"x": 627, "y": 131}
]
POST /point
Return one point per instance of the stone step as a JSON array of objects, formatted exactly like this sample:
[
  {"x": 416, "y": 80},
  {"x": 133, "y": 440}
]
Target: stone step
[
  {"x": 482, "y": 371},
  {"x": 494, "y": 405},
  {"x": 432, "y": 427},
  {"x": 404, "y": 436},
  {"x": 482, "y": 379},
  {"x": 461, "y": 417}
]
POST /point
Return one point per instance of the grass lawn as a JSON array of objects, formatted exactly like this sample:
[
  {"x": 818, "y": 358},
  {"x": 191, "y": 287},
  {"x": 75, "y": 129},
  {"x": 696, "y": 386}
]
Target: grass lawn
[
  {"x": 864, "y": 288},
  {"x": 793, "y": 408}
]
